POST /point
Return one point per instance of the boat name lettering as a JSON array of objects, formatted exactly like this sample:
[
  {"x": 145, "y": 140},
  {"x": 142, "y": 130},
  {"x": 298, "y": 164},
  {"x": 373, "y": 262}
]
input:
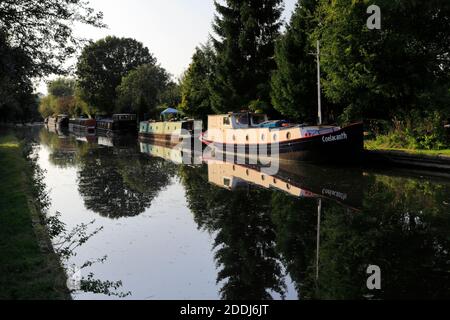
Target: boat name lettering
[
  {"x": 331, "y": 138},
  {"x": 334, "y": 194}
]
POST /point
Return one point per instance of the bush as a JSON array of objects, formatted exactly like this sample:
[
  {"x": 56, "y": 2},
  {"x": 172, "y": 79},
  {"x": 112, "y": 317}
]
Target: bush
[{"x": 417, "y": 131}]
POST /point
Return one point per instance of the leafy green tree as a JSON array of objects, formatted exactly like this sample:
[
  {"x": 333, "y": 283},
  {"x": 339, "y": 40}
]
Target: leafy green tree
[
  {"x": 141, "y": 90},
  {"x": 195, "y": 92},
  {"x": 171, "y": 95},
  {"x": 388, "y": 72},
  {"x": 103, "y": 64},
  {"x": 63, "y": 98},
  {"x": 246, "y": 32},
  {"x": 43, "y": 30},
  {"x": 48, "y": 106},
  {"x": 294, "y": 82},
  {"x": 16, "y": 90},
  {"x": 62, "y": 87}
]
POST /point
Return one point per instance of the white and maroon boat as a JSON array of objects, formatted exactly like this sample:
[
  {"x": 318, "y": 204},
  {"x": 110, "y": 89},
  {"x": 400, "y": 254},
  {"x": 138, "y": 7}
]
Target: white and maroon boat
[{"x": 254, "y": 135}]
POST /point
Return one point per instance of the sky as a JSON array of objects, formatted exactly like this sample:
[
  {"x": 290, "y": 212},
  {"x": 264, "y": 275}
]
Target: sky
[{"x": 171, "y": 29}]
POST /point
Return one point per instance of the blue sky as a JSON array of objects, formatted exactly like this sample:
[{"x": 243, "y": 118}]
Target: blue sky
[{"x": 171, "y": 29}]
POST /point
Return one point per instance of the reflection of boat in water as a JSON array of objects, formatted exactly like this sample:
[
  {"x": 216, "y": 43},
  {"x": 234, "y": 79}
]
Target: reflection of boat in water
[
  {"x": 255, "y": 136},
  {"x": 342, "y": 186},
  {"x": 82, "y": 126},
  {"x": 178, "y": 155},
  {"x": 57, "y": 122}
]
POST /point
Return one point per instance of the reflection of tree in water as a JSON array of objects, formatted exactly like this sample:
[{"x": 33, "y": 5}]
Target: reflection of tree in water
[
  {"x": 121, "y": 183},
  {"x": 403, "y": 229},
  {"x": 296, "y": 223},
  {"x": 245, "y": 247},
  {"x": 65, "y": 151}
]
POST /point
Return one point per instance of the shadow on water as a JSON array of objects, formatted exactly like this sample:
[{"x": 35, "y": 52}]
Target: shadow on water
[{"x": 316, "y": 228}]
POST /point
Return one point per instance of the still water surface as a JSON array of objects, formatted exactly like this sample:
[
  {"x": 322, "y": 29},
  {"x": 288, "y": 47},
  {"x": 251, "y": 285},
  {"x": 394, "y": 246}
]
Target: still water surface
[{"x": 227, "y": 231}]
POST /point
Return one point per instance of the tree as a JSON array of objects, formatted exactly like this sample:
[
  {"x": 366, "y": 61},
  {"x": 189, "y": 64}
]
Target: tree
[
  {"x": 62, "y": 87},
  {"x": 246, "y": 33},
  {"x": 388, "y": 72},
  {"x": 47, "y": 106},
  {"x": 16, "y": 90},
  {"x": 63, "y": 98},
  {"x": 140, "y": 91},
  {"x": 195, "y": 93},
  {"x": 103, "y": 64},
  {"x": 294, "y": 82},
  {"x": 43, "y": 30},
  {"x": 171, "y": 95}
]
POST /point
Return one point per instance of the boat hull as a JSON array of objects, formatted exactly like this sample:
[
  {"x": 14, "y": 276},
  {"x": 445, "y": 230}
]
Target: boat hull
[
  {"x": 343, "y": 146},
  {"x": 169, "y": 140}
]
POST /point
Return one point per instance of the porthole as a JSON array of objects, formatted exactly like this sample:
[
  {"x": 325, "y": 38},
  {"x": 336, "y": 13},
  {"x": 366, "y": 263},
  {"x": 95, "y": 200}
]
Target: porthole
[
  {"x": 263, "y": 177},
  {"x": 246, "y": 138},
  {"x": 263, "y": 137},
  {"x": 288, "y": 186},
  {"x": 274, "y": 181},
  {"x": 247, "y": 172},
  {"x": 288, "y": 136},
  {"x": 234, "y": 168}
]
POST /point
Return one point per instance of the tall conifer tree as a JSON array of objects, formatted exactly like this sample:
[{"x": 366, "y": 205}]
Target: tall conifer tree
[
  {"x": 294, "y": 89},
  {"x": 246, "y": 32}
]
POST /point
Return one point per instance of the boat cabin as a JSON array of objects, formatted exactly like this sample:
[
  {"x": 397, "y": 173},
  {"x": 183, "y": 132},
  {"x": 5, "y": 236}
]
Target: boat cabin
[{"x": 242, "y": 120}]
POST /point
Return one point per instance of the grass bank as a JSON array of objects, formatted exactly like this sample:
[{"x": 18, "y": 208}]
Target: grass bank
[{"x": 29, "y": 269}]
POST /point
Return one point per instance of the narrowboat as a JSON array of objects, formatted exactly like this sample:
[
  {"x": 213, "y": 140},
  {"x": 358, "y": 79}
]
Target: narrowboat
[
  {"x": 60, "y": 121},
  {"x": 82, "y": 126},
  {"x": 171, "y": 133},
  {"x": 255, "y": 136},
  {"x": 119, "y": 123},
  {"x": 171, "y": 130}
]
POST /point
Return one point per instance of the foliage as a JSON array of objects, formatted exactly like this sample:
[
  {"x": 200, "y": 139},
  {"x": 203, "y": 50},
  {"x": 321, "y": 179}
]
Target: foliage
[
  {"x": 195, "y": 92},
  {"x": 43, "y": 30},
  {"x": 244, "y": 45},
  {"x": 17, "y": 101},
  {"x": 63, "y": 98},
  {"x": 62, "y": 87},
  {"x": 421, "y": 131},
  {"x": 389, "y": 72},
  {"x": 294, "y": 82},
  {"x": 141, "y": 90},
  {"x": 103, "y": 64}
]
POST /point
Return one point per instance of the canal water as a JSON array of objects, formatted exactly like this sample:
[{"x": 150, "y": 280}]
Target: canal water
[{"x": 221, "y": 230}]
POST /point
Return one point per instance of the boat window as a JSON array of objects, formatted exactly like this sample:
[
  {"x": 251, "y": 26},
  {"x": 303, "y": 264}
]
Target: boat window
[
  {"x": 288, "y": 135},
  {"x": 258, "y": 119},
  {"x": 227, "y": 182},
  {"x": 226, "y": 121},
  {"x": 242, "y": 119}
]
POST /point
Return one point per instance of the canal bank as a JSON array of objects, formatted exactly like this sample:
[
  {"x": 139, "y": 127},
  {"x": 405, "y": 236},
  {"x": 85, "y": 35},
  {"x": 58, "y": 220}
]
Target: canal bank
[
  {"x": 29, "y": 268},
  {"x": 437, "y": 162}
]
